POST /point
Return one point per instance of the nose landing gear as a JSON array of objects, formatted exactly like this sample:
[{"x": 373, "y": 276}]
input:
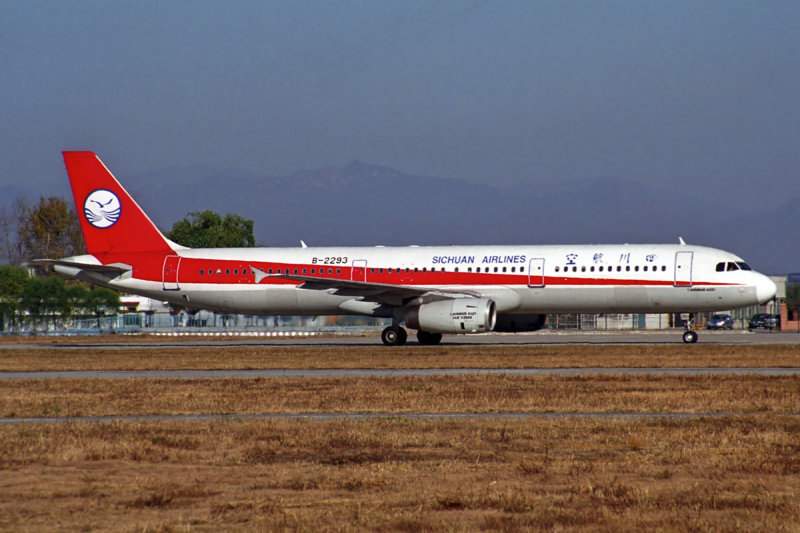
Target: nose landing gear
[{"x": 690, "y": 336}]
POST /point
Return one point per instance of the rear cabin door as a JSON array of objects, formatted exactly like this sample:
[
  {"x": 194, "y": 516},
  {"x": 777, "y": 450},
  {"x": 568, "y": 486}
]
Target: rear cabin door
[
  {"x": 170, "y": 272},
  {"x": 683, "y": 269},
  {"x": 536, "y": 272},
  {"x": 359, "y": 270}
]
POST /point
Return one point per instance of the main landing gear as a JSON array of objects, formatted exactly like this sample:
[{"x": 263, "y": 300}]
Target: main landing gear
[
  {"x": 394, "y": 336},
  {"x": 690, "y": 336},
  {"x": 397, "y": 336}
]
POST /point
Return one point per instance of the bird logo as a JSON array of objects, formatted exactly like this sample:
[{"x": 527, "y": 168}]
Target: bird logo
[{"x": 102, "y": 208}]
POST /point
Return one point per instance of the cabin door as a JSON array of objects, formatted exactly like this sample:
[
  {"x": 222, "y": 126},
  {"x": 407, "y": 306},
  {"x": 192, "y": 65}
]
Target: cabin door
[
  {"x": 359, "y": 270},
  {"x": 683, "y": 269},
  {"x": 536, "y": 272},
  {"x": 170, "y": 272}
]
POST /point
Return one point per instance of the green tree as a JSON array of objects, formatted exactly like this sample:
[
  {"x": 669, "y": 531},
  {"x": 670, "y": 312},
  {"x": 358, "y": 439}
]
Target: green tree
[
  {"x": 51, "y": 229},
  {"x": 102, "y": 301},
  {"x": 207, "y": 229},
  {"x": 12, "y": 286}
]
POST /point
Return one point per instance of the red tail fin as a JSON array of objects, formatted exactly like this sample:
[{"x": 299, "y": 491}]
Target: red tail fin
[{"x": 112, "y": 222}]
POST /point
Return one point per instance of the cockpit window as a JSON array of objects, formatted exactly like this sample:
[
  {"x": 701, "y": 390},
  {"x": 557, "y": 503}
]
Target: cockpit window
[
  {"x": 720, "y": 267},
  {"x": 732, "y": 266},
  {"x": 743, "y": 265}
]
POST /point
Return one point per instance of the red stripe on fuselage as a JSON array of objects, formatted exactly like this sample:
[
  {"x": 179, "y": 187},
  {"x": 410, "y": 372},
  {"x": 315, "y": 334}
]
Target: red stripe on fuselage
[{"x": 148, "y": 266}]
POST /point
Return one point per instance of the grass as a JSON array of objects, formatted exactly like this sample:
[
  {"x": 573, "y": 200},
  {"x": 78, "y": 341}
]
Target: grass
[
  {"x": 414, "y": 394},
  {"x": 397, "y": 474},
  {"x": 724, "y": 473},
  {"x": 265, "y": 356}
]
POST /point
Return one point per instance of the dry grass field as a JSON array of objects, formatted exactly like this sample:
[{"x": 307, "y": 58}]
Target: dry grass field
[
  {"x": 736, "y": 471},
  {"x": 186, "y": 356}
]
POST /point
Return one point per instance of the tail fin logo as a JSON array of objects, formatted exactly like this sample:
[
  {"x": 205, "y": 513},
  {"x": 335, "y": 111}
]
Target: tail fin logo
[{"x": 102, "y": 208}]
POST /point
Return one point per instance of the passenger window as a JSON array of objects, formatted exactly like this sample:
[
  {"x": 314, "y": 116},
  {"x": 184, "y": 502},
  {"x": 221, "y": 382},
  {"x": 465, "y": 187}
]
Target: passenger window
[
  {"x": 619, "y": 268},
  {"x": 380, "y": 271},
  {"x": 330, "y": 271},
  {"x": 304, "y": 271},
  {"x": 201, "y": 271},
  {"x": 636, "y": 268},
  {"x": 495, "y": 269},
  {"x": 514, "y": 269},
  {"x": 235, "y": 271},
  {"x": 556, "y": 268},
  {"x": 591, "y": 269},
  {"x": 504, "y": 269},
  {"x": 645, "y": 268},
  {"x": 627, "y": 268},
  {"x": 456, "y": 270},
  {"x": 338, "y": 270},
  {"x": 219, "y": 271},
  {"x": 574, "y": 269},
  {"x": 583, "y": 269},
  {"x": 313, "y": 270},
  {"x": 663, "y": 268}
]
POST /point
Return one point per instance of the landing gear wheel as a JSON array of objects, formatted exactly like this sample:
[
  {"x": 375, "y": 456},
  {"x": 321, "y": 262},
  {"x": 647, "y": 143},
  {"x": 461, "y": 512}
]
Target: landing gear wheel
[
  {"x": 394, "y": 336},
  {"x": 428, "y": 339},
  {"x": 689, "y": 337}
]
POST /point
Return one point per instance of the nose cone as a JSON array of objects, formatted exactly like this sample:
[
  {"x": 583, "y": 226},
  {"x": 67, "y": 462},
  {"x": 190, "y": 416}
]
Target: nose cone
[{"x": 765, "y": 289}]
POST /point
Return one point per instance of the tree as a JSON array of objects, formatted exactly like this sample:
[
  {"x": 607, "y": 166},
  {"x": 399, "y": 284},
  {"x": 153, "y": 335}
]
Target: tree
[
  {"x": 12, "y": 286},
  {"x": 51, "y": 229},
  {"x": 207, "y": 229},
  {"x": 11, "y": 220}
]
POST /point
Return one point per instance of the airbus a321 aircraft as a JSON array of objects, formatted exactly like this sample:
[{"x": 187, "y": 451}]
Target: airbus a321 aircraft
[{"x": 434, "y": 290}]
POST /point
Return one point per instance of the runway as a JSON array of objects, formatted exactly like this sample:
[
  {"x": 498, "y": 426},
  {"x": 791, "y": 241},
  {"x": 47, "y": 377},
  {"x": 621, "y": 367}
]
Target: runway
[
  {"x": 660, "y": 337},
  {"x": 403, "y": 372}
]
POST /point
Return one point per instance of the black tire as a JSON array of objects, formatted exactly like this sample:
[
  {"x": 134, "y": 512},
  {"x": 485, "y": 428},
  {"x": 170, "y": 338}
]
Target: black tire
[
  {"x": 394, "y": 336},
  {"x": 429, "y": 339},
  {"x": 689, "y": 337}
]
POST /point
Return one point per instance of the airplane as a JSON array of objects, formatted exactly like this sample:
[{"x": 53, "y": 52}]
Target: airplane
[{"x": 432, "y": 289}]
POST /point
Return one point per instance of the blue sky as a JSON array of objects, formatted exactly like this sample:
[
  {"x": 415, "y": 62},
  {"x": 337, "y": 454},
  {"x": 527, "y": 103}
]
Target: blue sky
[{"x": 700, "y": 96}]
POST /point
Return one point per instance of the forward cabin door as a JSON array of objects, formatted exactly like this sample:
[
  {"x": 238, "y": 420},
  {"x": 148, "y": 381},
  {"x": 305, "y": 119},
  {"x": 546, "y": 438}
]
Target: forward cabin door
[
  {"x": 683, "y": 269},
  {"x": 359, "y": 270},
  {"x": 170, "y": 272},
  {"x": 536, "y": 272}
]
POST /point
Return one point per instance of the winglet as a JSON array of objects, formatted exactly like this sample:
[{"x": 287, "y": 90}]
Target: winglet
[{"x": 111, "y": 221}]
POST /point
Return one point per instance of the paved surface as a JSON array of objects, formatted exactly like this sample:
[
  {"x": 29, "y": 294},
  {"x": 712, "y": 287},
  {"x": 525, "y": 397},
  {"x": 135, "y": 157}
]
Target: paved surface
[
  {"x": 363, "y": 373},
  {"x": 520, "y": 339}
]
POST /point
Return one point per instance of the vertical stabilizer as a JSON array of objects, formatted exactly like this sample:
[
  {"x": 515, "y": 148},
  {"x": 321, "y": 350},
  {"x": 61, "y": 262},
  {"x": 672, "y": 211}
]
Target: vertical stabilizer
[{"x": 111, "y": 221}]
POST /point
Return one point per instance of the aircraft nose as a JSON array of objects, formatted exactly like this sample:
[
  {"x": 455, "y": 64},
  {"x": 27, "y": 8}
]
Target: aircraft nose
[{"x": 765, "y": 289}]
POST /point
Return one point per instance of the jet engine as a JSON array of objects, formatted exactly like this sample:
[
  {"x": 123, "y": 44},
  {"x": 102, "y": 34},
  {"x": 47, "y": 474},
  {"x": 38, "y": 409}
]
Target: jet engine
[
  {"x": 459, "y": 315},
  {"x": 517, "y": 323}
]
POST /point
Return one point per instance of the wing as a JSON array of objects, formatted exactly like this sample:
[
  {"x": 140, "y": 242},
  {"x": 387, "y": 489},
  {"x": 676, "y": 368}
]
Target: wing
[{"x": 393, "y": 295}]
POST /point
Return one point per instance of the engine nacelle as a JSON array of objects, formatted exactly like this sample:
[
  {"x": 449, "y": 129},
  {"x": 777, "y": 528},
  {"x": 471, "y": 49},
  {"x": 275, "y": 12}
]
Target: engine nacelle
[
  {"x": 518, "y": 323},
  {"x": 459, "y": 315}
]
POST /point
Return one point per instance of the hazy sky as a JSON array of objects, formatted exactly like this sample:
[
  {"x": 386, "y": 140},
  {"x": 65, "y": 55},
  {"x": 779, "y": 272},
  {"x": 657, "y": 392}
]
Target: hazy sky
[{"x": 699, "y": 95}]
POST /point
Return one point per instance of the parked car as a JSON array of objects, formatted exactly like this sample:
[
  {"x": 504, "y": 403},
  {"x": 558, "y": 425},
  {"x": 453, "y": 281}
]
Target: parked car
[
  {"x": 772, "y": 322},
  {"x": 720, "y": 322},
  {"x": 764, "y": 320}
]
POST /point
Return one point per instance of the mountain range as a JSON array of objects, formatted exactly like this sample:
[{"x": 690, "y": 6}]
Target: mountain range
[{"x": 362, "y": 204}]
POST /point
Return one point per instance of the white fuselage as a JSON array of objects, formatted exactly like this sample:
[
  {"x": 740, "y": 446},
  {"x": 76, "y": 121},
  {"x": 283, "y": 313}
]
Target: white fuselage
[{"x": 519, "y": 279}]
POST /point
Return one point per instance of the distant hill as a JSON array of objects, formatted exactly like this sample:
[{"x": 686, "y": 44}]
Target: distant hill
[{"x": 363, "y": 204}]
